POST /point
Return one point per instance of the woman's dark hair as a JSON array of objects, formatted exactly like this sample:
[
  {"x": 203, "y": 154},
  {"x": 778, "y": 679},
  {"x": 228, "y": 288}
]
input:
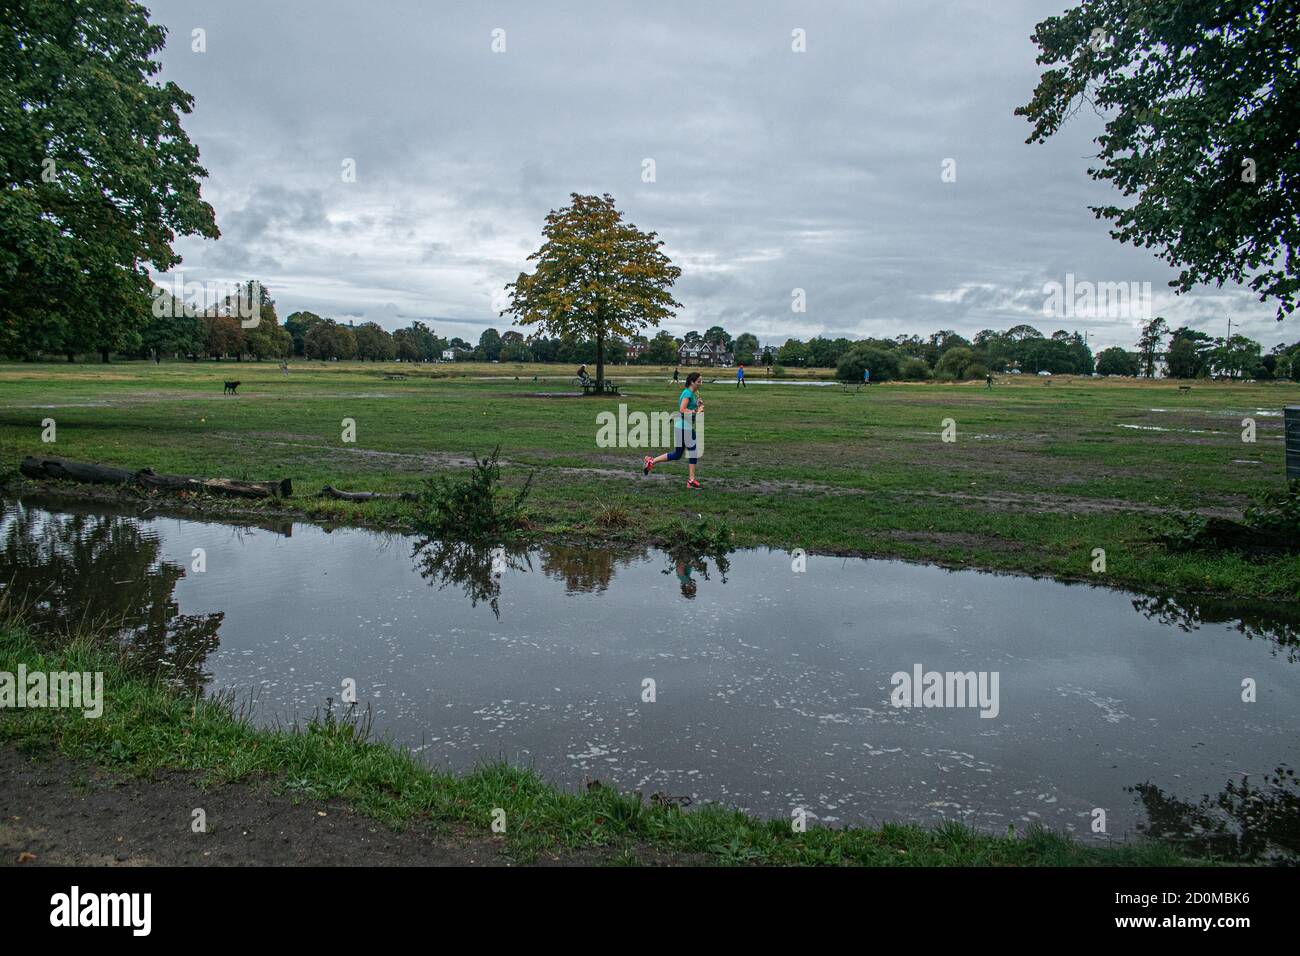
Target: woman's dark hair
[{"x": 692, "y": 378}]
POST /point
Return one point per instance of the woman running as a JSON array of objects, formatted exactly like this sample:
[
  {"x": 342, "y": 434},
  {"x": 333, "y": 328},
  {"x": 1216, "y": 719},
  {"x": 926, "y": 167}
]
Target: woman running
[{"x": 688, "y": 404}]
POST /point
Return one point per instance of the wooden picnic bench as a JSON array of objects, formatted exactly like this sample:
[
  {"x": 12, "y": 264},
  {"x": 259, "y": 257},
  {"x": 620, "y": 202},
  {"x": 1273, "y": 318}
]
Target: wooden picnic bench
[{"x": 589, "y": 387}]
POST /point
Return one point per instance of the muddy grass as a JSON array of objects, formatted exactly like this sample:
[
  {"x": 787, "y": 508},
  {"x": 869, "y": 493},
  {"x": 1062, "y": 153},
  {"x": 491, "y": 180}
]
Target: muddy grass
[
  {"x": 626, "y": 468},
  {"x": 954, "y": 539},
  {"x": 1057, "y": 504},
  {"x": 57, "y": 811}
]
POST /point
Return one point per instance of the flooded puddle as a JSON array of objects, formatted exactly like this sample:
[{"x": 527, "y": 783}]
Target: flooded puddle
[
  {"x": 747, "y": 683},
  {"x": 774, "y": 381},
  {"x": 1186, "y": 431}
]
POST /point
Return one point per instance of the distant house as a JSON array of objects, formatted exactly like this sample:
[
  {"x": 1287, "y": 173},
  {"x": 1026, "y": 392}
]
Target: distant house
[
  {"x": 453, "y": 355},
  {"x": 703, "y": 353},
  {"x": 635, "y": 350}
]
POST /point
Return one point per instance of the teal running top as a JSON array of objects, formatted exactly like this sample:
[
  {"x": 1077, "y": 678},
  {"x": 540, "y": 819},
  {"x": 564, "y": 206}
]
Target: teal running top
[{"x": 690, "y": 403}]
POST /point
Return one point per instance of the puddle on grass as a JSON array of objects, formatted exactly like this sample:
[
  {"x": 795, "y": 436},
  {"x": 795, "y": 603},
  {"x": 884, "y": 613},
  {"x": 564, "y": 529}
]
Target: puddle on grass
[
  {"x": 772, "y": 688},
  {"x": 1185, "y": 431},
  {"x": 773, "y": 381},
  {"x": 1222, "y": 413}
]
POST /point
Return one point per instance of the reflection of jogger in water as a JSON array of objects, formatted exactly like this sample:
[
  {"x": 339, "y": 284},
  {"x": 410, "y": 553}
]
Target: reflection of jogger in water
[
  {"x": 687, "y": 407},
  {"x": 684, "y": 578}
]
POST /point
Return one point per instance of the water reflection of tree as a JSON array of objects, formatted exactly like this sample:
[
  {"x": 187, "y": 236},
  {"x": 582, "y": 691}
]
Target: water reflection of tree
[
  {"x": 72, "y": 574},
  {"x": 1267, "y": 621},
  {"x": 585, "y": 570},
  {"x": 1242, "y": 823},
  {"x": 475, "y": 568}
]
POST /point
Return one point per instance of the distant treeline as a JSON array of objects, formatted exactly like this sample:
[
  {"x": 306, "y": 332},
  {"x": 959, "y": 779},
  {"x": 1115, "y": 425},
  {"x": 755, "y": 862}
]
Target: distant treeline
[{"x": 173, "y": 329}]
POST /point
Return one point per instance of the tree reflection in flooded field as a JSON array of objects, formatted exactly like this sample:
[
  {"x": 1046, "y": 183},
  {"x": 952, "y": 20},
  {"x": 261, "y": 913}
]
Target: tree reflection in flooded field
[{"x": 67, "y": 574}]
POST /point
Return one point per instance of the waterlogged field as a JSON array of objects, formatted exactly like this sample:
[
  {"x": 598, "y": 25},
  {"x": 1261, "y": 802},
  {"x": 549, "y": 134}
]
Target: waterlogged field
[
  {"x": 1040, "y": 474},
  {"x": 822, "y": 695}
]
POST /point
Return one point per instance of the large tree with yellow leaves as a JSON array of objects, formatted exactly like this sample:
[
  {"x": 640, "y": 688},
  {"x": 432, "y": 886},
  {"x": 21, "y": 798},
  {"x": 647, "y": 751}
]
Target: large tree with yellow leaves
[{"x": 596, "y": 277}]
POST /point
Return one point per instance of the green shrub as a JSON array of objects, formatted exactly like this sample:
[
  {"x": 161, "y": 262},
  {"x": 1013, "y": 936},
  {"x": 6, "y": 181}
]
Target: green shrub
[
  {"x": 955, "y": 364},
  {"x": 704, "y": 536},
  {"x": 1181, "y": 532},
  {"x": 467, "y": 507},
  {"x": 883, "y": 365},
  {"x": 1277, "y": 511},
  {"x": 914, "y": 370}
]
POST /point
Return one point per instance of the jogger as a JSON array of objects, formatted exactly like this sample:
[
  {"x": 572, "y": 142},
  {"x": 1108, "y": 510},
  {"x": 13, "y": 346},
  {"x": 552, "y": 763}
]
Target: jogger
[{"x": 688, "y": 406}]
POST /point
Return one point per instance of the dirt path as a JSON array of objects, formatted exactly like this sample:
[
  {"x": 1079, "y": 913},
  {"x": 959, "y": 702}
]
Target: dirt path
[
  {"x": 55, "y": 811},
  {"x": 1006, "y": 501}
]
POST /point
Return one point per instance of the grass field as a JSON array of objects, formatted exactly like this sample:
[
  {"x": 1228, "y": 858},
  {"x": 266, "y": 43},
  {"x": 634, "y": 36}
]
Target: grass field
[{"x": 1041, "y": 473}]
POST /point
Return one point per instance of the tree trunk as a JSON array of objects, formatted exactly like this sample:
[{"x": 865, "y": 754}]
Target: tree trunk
[
  {"x": 67, "y": 470},
  {"x": 103, "y": 356},
  {"x": 71, "y": 358},
  {"x": 600, "y": 360}
]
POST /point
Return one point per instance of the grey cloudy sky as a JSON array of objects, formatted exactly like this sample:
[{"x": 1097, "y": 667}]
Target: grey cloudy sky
[{"x": 775, "y": 170}]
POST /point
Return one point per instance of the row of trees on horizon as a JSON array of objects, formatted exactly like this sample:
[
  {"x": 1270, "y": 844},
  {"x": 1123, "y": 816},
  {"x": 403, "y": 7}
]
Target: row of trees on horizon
[{"x": 218, "y": 333}]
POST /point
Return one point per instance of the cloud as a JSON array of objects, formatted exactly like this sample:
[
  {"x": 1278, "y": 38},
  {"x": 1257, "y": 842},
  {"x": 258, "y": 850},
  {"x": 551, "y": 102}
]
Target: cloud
[{"x": 774, "y": 170}]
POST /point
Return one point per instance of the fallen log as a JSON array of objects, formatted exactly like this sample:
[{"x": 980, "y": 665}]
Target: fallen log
[
  {"x": 329, "y": 491},
  {"x": 65, "y": 469}
]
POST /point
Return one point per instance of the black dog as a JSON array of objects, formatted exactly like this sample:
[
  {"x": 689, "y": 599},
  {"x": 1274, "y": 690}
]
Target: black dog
[{"x": 230, "y": 388}]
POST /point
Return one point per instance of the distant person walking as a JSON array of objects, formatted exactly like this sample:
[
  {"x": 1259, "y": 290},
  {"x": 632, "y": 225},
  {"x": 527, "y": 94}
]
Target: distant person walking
[
  {"x": 675, "y": 378},
  {"x": 988, "y": 380},
  {"x": 866, "y": 376},
  {"x": 740, "y": 377},
  {"x": 688, "y": 405}
]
